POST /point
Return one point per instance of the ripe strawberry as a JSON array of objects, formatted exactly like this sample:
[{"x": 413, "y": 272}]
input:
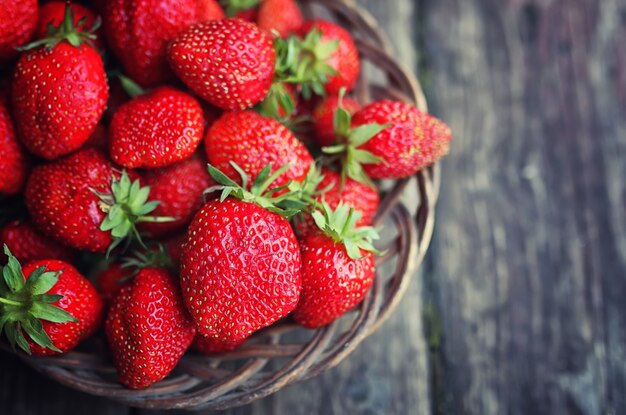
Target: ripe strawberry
[
  {"x": 283, "y": 16},
  {"x": 229, "y": 62},
  {"x": 17, "y": 24},
  {"x": 49, "y": 301},
  {"x": 240, "y": 266},
  {"x": 14, "y": 165},
  {"x": 85, "y": 202},
  {"x": 324, "y": 116},
  {"x": 53, "y": 14},
  {"x": 149, "y": 25},
  {"x": 337, "y": 267},
  {"x": 413, "y": 140},
  {"x": 59, "y": 92},
  {"x": 157, "y": 129},
  {"x": 209, "y": 10},
  {"x": 148, "y": 328},
  {"x": 28, "y": 244},
  {"x": 344, "y": 59},
  {"x": 253, "y": 141},
  {"x": 359, "y": 196},
  {"x": 110, "y": 281},
  {"x": 209, "y": 345},
  {"x": 179, "y": 189}
]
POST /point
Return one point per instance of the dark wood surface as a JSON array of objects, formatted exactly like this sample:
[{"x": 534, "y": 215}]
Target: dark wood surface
[{"x": 521, "y": 305}]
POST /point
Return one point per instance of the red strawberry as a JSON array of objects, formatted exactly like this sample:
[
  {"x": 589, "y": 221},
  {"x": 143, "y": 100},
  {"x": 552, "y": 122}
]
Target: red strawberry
[
  {"x": 283, "y": 16},
  {"x": 84, "y": 201},
  {"x": 148, "y": 328},
  {"x": 14, "y": 165},
  {"x": 209, "y": 345},
  {"x": 253, "y": 141},
  {"x": 110, "y": 281},
  {"x": 337, "y": 267},
  {"x": 413, "y": 141},
  {"x": 59, "y": 93},
  {"x": 56, "y": 307},
  {"x": 240, "y": 266},
  {"x": 179, "y": 189},
  {"x": 53, "y": 14},
  {"x": 149, "y": 25},
  {"x": 344, "y": 60},
  {"x": 324, "y": 115},
  {"x": 229, "y": 62},
  {"x": 28, "y": 244},
  {"x": 209, "y": 10},
  {"x": 360, "y": 196},
  {"x": 174, "y": 247},
  {"x": 17, "y": 24},
  {"x": 156, "y": 129}
]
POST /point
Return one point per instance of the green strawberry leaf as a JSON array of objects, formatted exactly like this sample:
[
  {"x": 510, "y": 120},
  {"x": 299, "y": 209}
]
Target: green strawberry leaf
[
  {"x": 12, "y": 272},
  {"x": 40, "y": 282},
  {"x": 51, "y": 313}
]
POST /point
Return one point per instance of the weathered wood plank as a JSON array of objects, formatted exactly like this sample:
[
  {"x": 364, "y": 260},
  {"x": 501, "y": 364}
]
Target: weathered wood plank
[{"x": 530, "y": 253}]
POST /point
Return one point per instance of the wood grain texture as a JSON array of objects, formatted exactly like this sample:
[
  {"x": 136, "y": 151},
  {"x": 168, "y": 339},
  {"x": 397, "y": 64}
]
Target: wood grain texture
[{"x": 530, "y": 251}]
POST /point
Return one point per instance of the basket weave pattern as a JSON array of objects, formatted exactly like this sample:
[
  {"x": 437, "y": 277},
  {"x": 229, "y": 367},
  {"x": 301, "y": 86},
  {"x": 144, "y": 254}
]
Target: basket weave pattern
[{"x": 285, "y": 353}]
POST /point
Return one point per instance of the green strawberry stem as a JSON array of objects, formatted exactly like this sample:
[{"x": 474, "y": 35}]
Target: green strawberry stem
[
  {"x": 340, "y": 226},
  {"x": 24, "y": 303},
  {"x": 350, "y": 139},
  {"x": 278, "y": 200},
  {"x": 9, "y": 302},
  {"x": 145, "y": 258},
  {"x": 232, "y": 7},
  {"x": 66, "y": 31},
  {"x": 126, "y": 205}
]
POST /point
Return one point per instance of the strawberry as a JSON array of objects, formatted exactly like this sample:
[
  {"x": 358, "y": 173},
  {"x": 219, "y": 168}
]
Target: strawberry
[
  {"x": 156, "y": 129},
  {"x": 412, "y": 141},
  {"x": 282, "y": 16},
  {"x": 149, "y": 25},
  {"x": 148, "y": 328},
  {"x": 28, "y": 244},
  {"x": 253, "y": 141},
  {"x": 344, "y": 59},
  {"x": 85, "y": 202},
  {"x": 51, "y": 302},
  {"x": 324, "y": 115},
  {"x": 14, "y": 165},
  {"x": 337, "y": 267},
  {"x": 109, "y": 281},
  {"x": 59, "y": 92},
  {"x": 17, "y": 24},
  {"x": 209, "y": 345},
  {"x": 179, "y": 189},
  {"x": 229, "y": 62},
  {"x": 99, "y": 139},
  {"x": 53, "y": 13},
  {"x": 209, "y": 10},
  {"x": 240, "y": 265},
  {"x": 359, "y": 196}
]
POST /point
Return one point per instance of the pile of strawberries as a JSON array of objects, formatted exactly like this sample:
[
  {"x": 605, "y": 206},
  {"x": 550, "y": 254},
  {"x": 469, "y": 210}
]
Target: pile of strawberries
[{"x": 186, "y": 179}]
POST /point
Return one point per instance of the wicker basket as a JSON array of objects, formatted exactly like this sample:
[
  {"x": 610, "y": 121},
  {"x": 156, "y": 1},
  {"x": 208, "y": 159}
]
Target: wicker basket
[{"x": 286, "y": 353}]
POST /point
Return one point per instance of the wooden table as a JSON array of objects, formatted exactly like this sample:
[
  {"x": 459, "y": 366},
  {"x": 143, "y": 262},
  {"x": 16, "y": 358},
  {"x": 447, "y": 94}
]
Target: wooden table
[{"x": 521, "y": 306}]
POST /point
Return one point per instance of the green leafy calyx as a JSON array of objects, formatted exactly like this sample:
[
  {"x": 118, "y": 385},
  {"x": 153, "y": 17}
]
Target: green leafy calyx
[
  {"x": 25, "y": 302},
  {"x": 126, "y": 205},
  {"x": 350, "y": 140},
  {"x": 278, "y": 200},
  {"x": 149, "y": 258},
  {"x": 340, "y": 226},
  {"x": 305, "y": 62},
  {"x": 232, "y": 7},
  {"x": 67, "y": 31}
]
